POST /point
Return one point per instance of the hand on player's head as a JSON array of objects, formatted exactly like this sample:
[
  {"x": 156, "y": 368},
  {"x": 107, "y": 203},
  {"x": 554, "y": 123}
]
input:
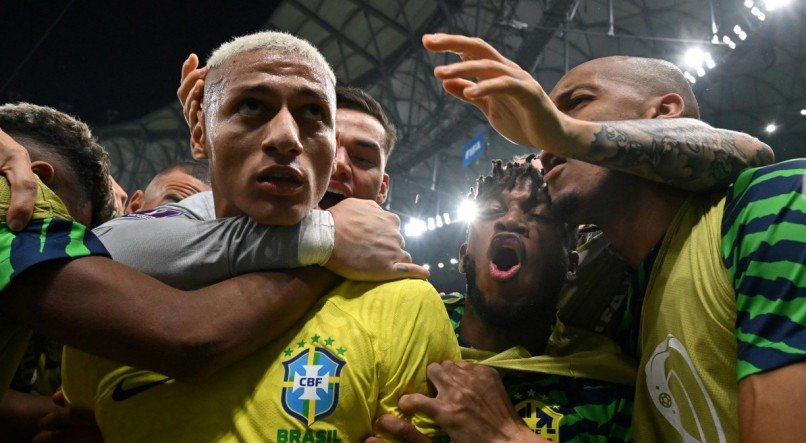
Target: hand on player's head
[
  {"x": 191, "y": 87},
  {"x": 15, "y": 165},
  {"x": 368, "y": 244}
]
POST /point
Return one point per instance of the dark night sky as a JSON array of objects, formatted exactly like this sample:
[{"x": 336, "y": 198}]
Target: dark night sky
[{"x": 111, "y": 61}]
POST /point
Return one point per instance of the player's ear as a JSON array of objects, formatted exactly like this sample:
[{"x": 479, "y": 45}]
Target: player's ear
[
  {"x": 670, "y": 105},
  {"x": 198, "y": 136},
  {"x": 384, "y": 191},
  {"x": 573, "y": 266},
  {"x": 462, "y": 253},
  {"x": 43, "y": 170},
  {"x": 136, "y": 202}
]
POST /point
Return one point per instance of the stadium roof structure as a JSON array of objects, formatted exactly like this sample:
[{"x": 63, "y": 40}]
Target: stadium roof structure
[{"x": 749, "y": 75}]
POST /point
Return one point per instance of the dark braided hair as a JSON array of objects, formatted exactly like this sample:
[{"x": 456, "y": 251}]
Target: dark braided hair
[
  {"x": 506, "y": 178},
  {"x": 519, "y": 170}
]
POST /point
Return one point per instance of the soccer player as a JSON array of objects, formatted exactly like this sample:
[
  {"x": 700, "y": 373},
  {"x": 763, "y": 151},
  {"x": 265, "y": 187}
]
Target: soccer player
[
  {"x": 516, "y": 259},
  {"x": 58, "y": 281},
  {"x": 171, "y": 185},
  {"x": 718, "y": 278},
  {"x": 268, "y": 128}
]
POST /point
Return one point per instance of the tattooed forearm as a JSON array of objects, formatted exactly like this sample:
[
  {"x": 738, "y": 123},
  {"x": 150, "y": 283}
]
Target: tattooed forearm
[{"x": 684, "y": 153}]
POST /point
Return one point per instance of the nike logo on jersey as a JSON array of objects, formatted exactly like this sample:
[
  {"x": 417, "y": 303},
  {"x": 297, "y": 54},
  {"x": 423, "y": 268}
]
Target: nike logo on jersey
[{"x": 121, "y": 394}]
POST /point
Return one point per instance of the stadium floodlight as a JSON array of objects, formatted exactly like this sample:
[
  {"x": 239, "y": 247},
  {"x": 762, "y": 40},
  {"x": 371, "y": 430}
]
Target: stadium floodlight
[
  {"x": 694, "y": 58},
  {"x": 748, "y": 4},
  {"x": 426, "y": 266},
  {"x": 467, "y": 211},
  {"x": 447, "y": 218},
  {"x": 414, "y": 228},
  {"x": 689, "y": 77},
  {"x": 737, "y": 29},
  {"x": 430, "y": 224},
  {"x": 771, "y": 128},
  {"x": 700, "y": 72},
  {"x": 743, "y": 35},
  {"x": 438, "y": 219},
  {"x": 440, "y": 265},
  {"x": 772, "y": 5},
  {"x": 727, "y": 40},
  {"x": 803, "y": 112},
  {"x": 454, "y": 261},
  {"x": 709, "y": 61}
]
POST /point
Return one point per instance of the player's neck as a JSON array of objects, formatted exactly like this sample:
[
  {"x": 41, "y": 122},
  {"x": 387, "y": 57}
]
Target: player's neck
[
  {"x": 635, "y": 229},
  {"x": 532, "y": 335},
  {"x": 223, "y": 208}
]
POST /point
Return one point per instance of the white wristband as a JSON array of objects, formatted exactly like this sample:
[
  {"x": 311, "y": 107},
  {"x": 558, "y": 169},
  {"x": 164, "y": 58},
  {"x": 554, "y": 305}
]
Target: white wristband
[{"x": 317, "y": 235}]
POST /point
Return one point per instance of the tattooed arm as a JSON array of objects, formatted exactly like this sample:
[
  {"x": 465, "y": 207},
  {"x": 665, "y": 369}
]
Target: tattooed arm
[{"x": 681, "y": 152}]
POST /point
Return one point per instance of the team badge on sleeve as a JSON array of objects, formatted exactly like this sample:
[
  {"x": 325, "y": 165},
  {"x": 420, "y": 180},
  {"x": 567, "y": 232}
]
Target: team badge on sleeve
[{"x": 311, "y": 380}]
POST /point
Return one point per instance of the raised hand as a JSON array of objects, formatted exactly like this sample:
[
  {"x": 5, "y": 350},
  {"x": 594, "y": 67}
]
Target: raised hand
[
  {"x": 368, "y": 244},
  {"x": 15, "y": 164},
  {"x": 512, "y": 100}
]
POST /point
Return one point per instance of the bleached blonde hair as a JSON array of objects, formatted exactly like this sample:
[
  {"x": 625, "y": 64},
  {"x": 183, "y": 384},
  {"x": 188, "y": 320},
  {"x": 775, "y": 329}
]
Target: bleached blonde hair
[{"x": 274, "y": 40}]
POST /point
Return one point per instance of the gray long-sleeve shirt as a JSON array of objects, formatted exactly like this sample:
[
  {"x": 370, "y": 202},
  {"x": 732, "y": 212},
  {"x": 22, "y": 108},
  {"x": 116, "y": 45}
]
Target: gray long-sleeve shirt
[{"x": 185, "y": 246}]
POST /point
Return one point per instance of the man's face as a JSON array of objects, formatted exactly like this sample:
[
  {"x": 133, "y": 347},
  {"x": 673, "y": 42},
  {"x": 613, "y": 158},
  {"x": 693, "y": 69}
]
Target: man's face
[
  {"x": 271, "y": 137},
  {"x": 171, "y": 187},
  {"x": 592, "y": 91},
  {"x": 514, "y": 258},
  {"x": 360, "y": 159}
]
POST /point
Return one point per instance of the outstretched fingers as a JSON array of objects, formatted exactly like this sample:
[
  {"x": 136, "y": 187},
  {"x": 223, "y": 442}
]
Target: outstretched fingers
[{"x": 468, "y": 48}]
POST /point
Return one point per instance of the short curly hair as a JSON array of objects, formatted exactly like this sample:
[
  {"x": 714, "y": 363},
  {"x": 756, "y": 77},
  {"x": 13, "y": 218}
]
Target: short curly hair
[{"x": 73, "y": 142}]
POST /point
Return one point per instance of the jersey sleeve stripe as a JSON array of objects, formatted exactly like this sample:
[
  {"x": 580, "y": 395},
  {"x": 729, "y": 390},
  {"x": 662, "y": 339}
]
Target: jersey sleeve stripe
[
  {"x": 6, "y": 269},
  {"x": 772, "y": 211},
  {"x": 771, "y": 328},
  {"x": 27, "y": 247},
  {"x": 791, "y": 270},
  {"x": 779, "y": 289},
  {"x": 789, "y": 165},
  {"x": 760, "y": 225},
  {"x": 787, "y": 256},
  {"x": 76, "y": 246},
  {"x": 761, "y": 188},
  {"x": 762, "y": 359}
]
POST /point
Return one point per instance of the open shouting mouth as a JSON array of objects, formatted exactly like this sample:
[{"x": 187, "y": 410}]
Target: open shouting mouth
[{"x": 506, "y": 253}]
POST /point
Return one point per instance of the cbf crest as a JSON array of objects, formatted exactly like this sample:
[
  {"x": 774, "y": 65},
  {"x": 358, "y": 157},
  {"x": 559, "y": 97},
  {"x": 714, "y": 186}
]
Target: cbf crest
[{"x": 311, "y": 380}]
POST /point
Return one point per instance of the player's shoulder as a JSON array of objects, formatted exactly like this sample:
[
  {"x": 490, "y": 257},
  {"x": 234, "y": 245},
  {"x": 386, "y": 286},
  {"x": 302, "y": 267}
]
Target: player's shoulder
[
  {"x": 764, "y": 181},
  {"x": 409, "y": 291}
]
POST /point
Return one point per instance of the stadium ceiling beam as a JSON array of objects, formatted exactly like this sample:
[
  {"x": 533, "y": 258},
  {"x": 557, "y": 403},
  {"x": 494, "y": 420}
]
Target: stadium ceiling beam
[
  {"x": 314, "y": 17},
  {"x": 532, "y": 46},
  {"x": 396, "y": 57}
]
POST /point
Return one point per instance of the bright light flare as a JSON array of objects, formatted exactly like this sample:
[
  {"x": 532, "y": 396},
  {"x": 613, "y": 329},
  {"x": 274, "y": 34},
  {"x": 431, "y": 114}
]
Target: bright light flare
[
  {"x": 772, "y": 5},
  {"x": 770, "y": 128},
  {"x": 694, "y": 58},
  {"x": 467, "y": 211},
  {"x": 415, "y": 227},
  {"x": 454, "y": 261}
]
